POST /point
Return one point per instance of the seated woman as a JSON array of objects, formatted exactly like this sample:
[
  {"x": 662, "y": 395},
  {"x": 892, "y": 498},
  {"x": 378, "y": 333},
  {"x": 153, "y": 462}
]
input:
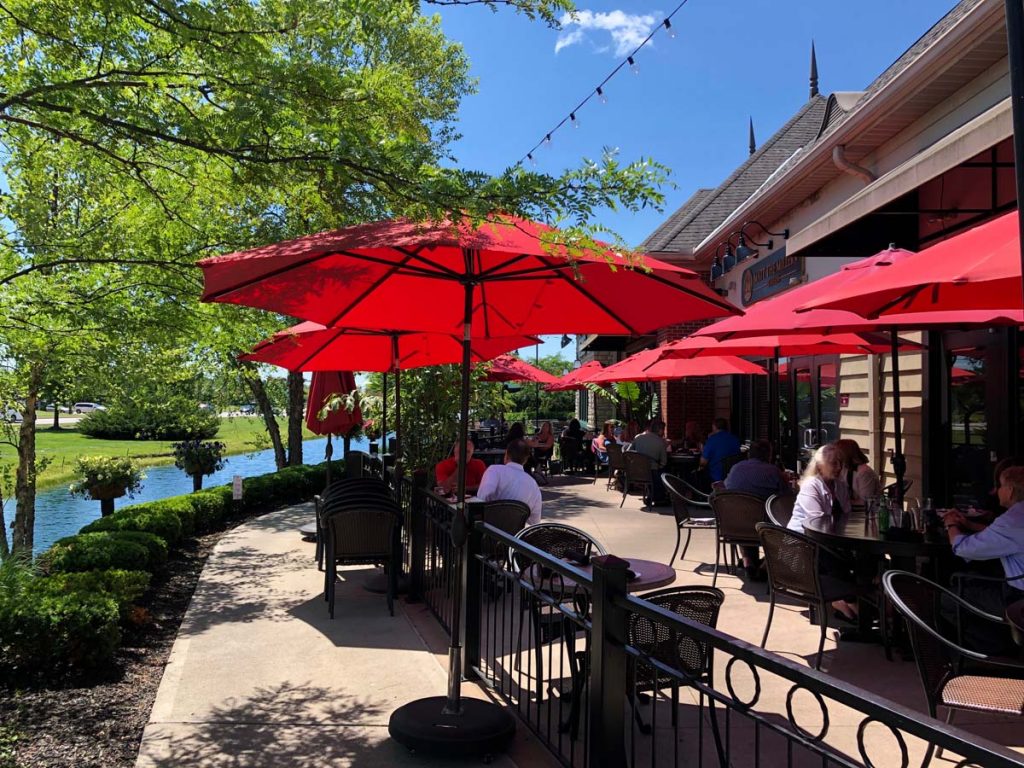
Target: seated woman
[
  {"x": 599, "y": 445},
  {"x": 861, "y": 480},
  {"x": 543, "y": 443},
  {"x": 823, "y": 494}
]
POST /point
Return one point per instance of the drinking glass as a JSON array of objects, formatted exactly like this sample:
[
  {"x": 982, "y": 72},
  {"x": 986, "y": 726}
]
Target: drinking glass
[{"x": 871, "y": 507}]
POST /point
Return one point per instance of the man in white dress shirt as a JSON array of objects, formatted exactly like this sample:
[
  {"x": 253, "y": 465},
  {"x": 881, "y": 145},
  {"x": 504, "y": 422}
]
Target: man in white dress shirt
[{"x": 509, "y": 481}]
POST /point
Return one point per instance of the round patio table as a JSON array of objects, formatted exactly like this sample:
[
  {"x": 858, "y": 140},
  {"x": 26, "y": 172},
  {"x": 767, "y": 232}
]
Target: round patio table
[{"x": 650, "y": 574}]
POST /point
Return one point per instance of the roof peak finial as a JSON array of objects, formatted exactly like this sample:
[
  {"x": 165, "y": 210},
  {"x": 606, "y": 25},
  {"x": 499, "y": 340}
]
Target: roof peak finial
[
  {"x": 814, "y": 72},
  {"x": 753, "y": 143}
]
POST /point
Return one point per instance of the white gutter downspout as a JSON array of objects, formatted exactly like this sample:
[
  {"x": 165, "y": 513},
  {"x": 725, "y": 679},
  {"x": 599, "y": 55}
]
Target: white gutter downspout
[{"x": 846, "y": 166}]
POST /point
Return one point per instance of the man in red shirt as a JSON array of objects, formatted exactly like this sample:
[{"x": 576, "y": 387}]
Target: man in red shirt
[{"x": 447, "y": 475}]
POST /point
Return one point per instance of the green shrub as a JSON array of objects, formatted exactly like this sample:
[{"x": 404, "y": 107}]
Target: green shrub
[
  {"x": 123, "y": 587},
  {"x": 165, "y": 518},
  {"x": 212, "y": 507},
  {"x": 104, "y": 550},
  {"x": 175, "y": 419},
  {"x": 44, "y": 635}
]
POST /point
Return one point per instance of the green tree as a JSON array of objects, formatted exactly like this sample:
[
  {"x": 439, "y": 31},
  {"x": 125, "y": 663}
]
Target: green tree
[{"x": 532, "y": 402}]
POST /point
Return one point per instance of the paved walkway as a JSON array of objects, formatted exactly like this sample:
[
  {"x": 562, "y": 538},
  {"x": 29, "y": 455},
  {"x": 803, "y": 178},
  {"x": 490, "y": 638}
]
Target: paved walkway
[{"x": 259, "y": 676}]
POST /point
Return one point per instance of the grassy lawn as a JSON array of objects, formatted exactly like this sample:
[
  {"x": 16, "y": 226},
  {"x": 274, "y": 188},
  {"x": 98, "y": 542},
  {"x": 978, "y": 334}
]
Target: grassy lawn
[{"x": 241, "y": 435}]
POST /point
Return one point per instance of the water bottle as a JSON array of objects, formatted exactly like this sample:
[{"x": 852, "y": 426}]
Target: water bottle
[{"x": 883, "y": 514}]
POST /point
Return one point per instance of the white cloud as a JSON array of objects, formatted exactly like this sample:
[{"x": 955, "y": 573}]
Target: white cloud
[{"x": 627, "y": 30}]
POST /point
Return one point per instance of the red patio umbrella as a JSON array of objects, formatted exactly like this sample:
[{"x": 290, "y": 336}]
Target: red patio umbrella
[
  {"x": 501, "y": 279},
  {"x": 781, "y": 345},
  {"x": 646, "y": 366},
  {"x": 336, "y": 422},
  {"x": 575, "y": 378},
  {"x": 978, "y": 269},
  {"x": 512, "y": 368}
]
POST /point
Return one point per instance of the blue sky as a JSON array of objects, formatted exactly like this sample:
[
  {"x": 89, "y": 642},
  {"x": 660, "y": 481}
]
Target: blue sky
[{"x": 689, "y": 104}]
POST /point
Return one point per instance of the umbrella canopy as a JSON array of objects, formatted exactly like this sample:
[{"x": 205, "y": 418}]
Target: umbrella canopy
[
  {"x": 978, "y": 269},
  {"x": 314, "y": 347},
  {"x": 646, "y": 366},
  {"x": 826, "y": 374},
  {"x": 780, "y": 315},
  {"x": 339, "y": 422},
  {"x": 414, "y": 277},
  {"x": 781, "y": 345},
  {"x": 512, "y": 368},
  {"x": 575, "y": 378}
]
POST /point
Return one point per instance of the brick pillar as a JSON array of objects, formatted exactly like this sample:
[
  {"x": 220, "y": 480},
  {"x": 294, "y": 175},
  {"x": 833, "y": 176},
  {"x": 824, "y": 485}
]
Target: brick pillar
[{"x": 684, "y": 400}]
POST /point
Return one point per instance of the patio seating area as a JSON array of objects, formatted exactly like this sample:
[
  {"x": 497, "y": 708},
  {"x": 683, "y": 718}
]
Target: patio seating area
[{"x": 260, "y": 675}]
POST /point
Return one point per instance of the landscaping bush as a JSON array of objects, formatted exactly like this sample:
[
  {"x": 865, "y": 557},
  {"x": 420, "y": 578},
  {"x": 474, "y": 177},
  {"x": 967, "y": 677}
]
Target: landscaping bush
[
  {"x": 177, "y": 419},
  {"x": 123, "y": 587},
  {"x": 47, "y": 635},
  {"x": 212, "y": 507},
  {"x": 103, "y": 550},
  {"x": 165, "y": 518}
]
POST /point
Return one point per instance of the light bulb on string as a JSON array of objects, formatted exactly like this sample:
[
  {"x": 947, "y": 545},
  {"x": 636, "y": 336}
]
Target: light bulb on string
[
  {"x": 633, "y": 66},
  {"x": 601, "y": 95},
  {"x": 669, "y": 28},
  {"x": 572, "y": 118},
  {"x": 532, "y": 159},
  {"x": 547, "y": 140}
]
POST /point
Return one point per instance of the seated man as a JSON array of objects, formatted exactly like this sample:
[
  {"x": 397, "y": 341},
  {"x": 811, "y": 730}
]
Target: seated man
[
  {"x": 509, "y": 481},
  {"x": 1003, "y": 539},
  {"x": 721, "y": 444},
  {"x": 757, "y": 476},
  {"x": 651, "y": 443},
  {"x": 447, "y": 472}
]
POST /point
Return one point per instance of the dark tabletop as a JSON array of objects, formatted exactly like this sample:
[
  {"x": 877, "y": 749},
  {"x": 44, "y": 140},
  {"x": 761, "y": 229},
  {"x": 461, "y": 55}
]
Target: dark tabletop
[
  {"x": 855, "y": 531},
  {"x": 650, "y": 575}
]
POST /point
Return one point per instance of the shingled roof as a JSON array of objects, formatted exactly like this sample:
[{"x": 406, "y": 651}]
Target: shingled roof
[{"x": 708, "y": 208}]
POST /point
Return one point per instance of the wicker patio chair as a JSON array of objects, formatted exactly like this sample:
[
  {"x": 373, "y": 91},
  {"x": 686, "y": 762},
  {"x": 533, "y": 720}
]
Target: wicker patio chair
[
  {"x": 684, "y": 507},
  {"x": 616, "y": 465},
  {"x": 505, "y": 515},
  {"x": 794, "y": 571},
  {"x": 779, "y": 509},
  {"x": 736, "y": 515},
  {"x": 332, "y": 495},
  {"x": 678, "y": 651},
  {"x": 637, "y": 469},
  {"x": 940, "y": 659},
  {"x": 571, "y": 451},
  {"x": 364, "y": 534},
  {"x": 548, "y": 622}
]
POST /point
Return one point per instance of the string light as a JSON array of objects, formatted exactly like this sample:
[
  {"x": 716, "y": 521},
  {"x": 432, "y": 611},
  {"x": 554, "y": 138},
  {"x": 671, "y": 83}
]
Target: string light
[{"x": 629, "y": 61}]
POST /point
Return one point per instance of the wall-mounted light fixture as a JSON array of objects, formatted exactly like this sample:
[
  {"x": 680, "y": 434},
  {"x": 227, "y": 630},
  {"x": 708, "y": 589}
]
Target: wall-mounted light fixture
[{"x": 743, "y": 251}]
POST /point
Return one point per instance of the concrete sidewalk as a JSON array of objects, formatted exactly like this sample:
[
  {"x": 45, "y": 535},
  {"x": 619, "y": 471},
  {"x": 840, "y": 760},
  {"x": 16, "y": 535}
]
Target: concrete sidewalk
[{"x": 260, "y": 676}]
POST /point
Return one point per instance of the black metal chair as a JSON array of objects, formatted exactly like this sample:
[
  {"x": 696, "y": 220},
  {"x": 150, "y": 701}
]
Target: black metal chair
[
  {"x": 736, "y": 515},
  {"x": 779, "y": 509},
  {"x": 542, "y": 464},
  {"x": 571, "y": 451},
  {"x": 506, "y": 515},
  {"x": 890, "y": 489},
  {"x": 548, "y": 621},
  {"x": 794, "y": 571},
  {"x": 364, "y": 534},
  {"x": 940, "y": 659},
  {"x": 678, "y": 651},
  {"x": 686, "y": 502},
  {"x": 637, "y": 469}
]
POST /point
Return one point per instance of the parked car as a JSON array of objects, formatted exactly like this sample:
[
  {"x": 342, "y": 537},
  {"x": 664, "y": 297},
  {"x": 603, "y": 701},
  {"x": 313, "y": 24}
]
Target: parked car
[
  {"x": 88, "y": 407},
  {"x": 12, "y": 415},
  {"x": 247, "y": 410}
]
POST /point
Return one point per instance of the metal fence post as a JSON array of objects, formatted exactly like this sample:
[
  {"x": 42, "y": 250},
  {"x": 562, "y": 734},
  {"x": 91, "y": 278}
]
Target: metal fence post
[
  {"x": 608, "y": 664},
  {"x": 472, "y": 573},
  {"x": 417, "y": 539}
]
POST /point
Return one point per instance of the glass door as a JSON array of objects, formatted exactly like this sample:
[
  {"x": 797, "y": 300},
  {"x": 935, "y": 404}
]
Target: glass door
[{"x": 809, "y": 407}]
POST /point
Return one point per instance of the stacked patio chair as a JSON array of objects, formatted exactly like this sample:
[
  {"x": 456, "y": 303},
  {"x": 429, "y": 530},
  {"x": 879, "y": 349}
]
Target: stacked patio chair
[
  {"x": 335, "y": 491},
  {"x": 993, "y": 684},
  {"x": 691, "y": 508},
  {"x": 637, "y": 469},
  {"x": 736, "y": 515},
  {"x": 663, "y": 643},
  {"x": 794, "y": 571},
  {"x": 779, "y": 509},
  {"x": 547, "y": 621}
]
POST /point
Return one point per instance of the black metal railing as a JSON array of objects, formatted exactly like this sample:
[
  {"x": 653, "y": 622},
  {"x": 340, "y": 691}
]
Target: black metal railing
[
  {"x": 606, "y": 679},
  {"x": 431, "y": 554}
]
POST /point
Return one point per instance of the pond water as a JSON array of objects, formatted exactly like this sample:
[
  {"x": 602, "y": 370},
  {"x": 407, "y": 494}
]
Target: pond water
[{"x": 59, "y": 514}]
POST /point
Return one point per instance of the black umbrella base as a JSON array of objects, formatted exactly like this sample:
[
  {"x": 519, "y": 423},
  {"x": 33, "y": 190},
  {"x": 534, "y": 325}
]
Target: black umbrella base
[
  {"x": 482, "y": 729},
  {"x": 378, "y": 584}
]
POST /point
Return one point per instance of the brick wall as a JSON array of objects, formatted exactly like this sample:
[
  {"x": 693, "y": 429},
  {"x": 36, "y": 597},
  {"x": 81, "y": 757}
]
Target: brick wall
[{"x": 687, "y": 399}]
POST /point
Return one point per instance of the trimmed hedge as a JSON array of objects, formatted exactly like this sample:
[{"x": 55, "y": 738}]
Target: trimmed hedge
[{"x": 65, "y": 622}]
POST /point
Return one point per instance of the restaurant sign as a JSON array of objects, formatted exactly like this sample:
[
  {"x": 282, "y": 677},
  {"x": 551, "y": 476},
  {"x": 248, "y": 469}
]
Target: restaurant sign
[{"x": 770, "y": 275}]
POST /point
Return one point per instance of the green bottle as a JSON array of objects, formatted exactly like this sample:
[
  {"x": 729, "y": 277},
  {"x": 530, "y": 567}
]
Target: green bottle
[{"x": 883, "y": 514}]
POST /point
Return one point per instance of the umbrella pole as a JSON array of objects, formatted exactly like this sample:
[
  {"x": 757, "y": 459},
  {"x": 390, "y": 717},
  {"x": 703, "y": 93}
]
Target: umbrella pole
[
  {"x": 899, "y": 462},
  {"x": 327, "y": 456},
  {"x": 383, "y": 415},
  {"x": 398, "y": 398},
  {"x": 773, "y": 405}
]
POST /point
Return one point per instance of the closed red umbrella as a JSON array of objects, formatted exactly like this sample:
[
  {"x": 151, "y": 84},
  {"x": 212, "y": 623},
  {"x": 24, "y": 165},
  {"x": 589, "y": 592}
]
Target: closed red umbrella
[
  {"x": 506, "y": 278},
  {"x": 576, "y": 378},
  {"x": 646, "y": 366},
  {"x": 978, "y": 269},
  {"x": 335, "y": 422},
  {"x": 512, "y": 368}
]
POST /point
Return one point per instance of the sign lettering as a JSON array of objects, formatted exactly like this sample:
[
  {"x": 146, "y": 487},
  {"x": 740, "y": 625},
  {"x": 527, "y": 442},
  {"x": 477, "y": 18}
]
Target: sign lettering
[{"x": 770, "y": 275}]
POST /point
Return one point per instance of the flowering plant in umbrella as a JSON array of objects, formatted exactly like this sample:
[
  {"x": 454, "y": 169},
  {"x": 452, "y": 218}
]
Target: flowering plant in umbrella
[
  {"x": 198, "y": 458},
  {"x": 105, "y": 478}
]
